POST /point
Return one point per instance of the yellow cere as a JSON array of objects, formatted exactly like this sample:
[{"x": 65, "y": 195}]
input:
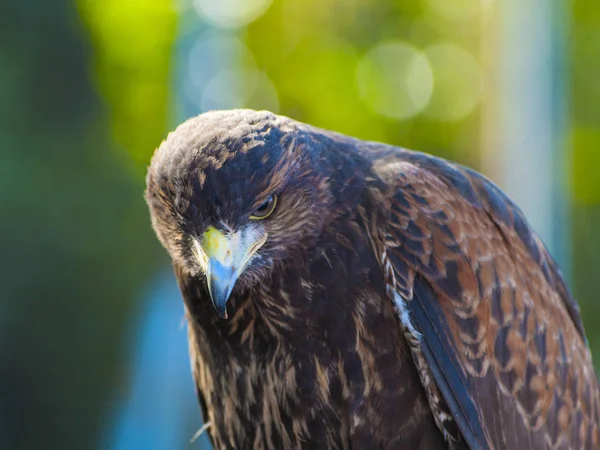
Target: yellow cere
[{"x": 215, "y": 244}]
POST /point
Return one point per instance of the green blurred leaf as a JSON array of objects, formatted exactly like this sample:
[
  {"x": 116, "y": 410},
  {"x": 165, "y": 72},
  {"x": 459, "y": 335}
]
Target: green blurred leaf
[
  {"x": 586, "y": 164},
  {"x": 133, "y": 47}
]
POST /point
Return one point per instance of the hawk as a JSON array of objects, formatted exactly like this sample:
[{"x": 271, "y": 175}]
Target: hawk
[{"x": 344, "y": 294}]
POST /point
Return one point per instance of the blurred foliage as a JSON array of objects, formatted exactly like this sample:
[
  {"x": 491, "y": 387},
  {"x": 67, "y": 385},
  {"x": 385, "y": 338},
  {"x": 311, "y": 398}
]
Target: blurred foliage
[
  {"x": 584, "y": 67},
  {"x": 76, "y": 245},
  {"x": 311, "y": 50},
  {"x": 133, "y": 43},
  {"x": 586, "y": 163},
  {"x": 585, "y": 92}
]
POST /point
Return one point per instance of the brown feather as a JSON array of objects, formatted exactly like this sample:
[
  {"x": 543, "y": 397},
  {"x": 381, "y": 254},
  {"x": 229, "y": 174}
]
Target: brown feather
[
  {"x": 511, "y": 328},
  {"x": 400, "y": 301}
]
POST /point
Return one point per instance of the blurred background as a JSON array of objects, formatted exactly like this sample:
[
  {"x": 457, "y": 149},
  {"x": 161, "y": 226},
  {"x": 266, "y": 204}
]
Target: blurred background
[{"x": 93, "y": 350}]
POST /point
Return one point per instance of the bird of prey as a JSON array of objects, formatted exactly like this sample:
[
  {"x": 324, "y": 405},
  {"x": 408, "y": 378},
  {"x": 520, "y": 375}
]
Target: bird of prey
[{"x": 344, "y": 294}]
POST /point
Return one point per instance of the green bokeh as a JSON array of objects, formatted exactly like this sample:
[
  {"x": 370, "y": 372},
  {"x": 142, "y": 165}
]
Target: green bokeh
[
  {"x": 76, "y": 247},
  {"x": 84, "y": 100}
]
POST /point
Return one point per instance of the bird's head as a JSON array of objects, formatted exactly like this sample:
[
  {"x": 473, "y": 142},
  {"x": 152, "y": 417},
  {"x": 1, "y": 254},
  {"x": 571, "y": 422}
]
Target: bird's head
[{"x": 235, "y": 194}]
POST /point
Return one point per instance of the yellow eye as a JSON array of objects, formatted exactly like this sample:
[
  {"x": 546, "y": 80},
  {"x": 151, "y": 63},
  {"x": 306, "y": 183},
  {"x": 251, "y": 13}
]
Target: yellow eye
[{"x": 265, "y": 209}]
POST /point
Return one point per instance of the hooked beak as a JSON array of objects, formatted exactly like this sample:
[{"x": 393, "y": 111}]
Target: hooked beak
[{"x": 224, "y": 258}]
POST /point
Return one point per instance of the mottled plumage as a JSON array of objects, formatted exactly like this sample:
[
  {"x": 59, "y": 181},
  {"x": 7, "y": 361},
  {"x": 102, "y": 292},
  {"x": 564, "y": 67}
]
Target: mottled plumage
[{"x": 391, "y": 299}]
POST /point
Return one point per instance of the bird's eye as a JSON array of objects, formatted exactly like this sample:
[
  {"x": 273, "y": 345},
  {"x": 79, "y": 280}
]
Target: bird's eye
[{"x": 265, "y": 209}]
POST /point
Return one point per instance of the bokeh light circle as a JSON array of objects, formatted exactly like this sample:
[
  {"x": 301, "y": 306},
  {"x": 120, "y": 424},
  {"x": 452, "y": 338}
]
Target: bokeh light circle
[
  {"x": 222, "y": 74},
  {"x": 395, "y": 79},
  {"x": 236, "y": 88},
  {"x": 214, "y": 52},
  {"x": 457, "y": 79},
  {"x": 231, "y": 13}
]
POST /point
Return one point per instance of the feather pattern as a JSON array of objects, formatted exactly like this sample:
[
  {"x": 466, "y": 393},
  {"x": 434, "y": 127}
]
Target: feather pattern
[
  {"x": 499, "y": 329},
  {"x": 400, "y": 301}
]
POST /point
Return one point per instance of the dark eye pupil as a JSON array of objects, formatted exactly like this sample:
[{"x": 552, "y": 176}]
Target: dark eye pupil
[{"x": 264, "y": 206}]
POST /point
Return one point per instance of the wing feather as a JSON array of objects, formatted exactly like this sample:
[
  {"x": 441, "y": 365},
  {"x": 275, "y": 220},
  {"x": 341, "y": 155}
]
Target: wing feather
[
  {"x": 453, "y": 386},
  {"x": 501, "y": 334}
]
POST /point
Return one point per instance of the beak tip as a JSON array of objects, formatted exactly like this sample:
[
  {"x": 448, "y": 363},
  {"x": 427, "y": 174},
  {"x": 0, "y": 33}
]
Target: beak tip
[
  {"x": 220, "y": 305},
  {"x": 220, "y": 285},
  {"x": 220, "y": 308}
]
